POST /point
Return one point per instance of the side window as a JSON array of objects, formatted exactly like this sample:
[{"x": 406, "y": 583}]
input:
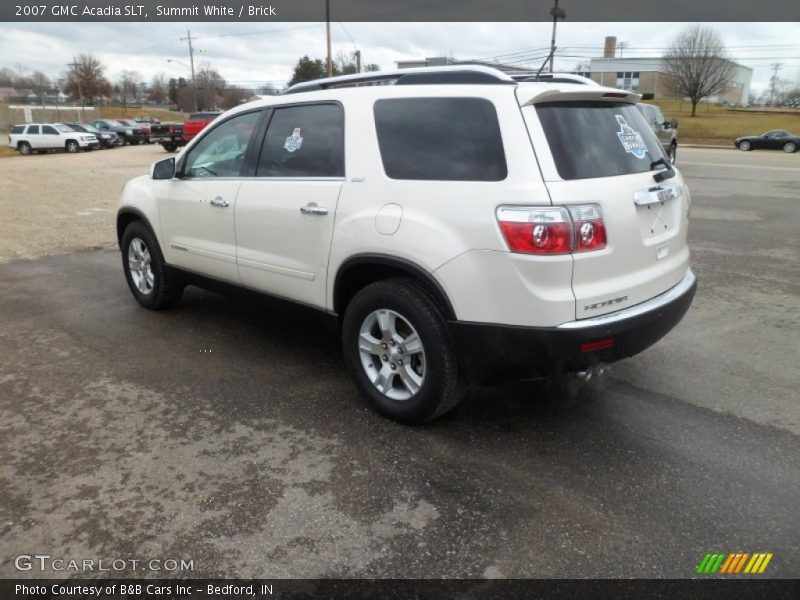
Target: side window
[
  {"x": 221, "y": 152},
  {"x": 49, "y": 130},
  {"x": 33, "y": 130},
  {"x": 446, "y": 139},
  {"x": 304, "y": 141}
]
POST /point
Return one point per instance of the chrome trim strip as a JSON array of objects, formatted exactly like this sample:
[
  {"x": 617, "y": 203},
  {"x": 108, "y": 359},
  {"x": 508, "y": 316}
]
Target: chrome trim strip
[{"x": 655, "y": 303}]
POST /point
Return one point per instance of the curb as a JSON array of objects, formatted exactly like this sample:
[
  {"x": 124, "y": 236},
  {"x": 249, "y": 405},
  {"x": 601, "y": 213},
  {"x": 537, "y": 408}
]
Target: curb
[{"x": 711, "y": 146}]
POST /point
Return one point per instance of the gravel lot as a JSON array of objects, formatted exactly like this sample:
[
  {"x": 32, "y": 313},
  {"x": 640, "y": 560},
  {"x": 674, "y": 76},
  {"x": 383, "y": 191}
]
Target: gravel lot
[{"x": 57, "y": 203}]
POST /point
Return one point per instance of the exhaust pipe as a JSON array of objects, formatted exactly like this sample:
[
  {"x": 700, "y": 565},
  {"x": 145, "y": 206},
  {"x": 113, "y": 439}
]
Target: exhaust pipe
[{"x": 591, "y": 372}]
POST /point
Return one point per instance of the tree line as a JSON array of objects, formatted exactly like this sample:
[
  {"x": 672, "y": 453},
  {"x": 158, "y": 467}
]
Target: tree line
[{"x": 85, "y": 80}]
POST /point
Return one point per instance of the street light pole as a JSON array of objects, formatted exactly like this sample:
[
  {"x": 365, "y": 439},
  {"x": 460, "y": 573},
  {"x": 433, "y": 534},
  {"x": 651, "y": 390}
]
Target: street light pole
[
  {"x": 328, "y": 33},
  {"x": 558, "y": 13}
]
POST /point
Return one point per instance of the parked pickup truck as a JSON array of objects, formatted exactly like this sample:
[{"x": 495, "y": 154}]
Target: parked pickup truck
[
  {"x": 173, "y": 135},
  {"x": 169, "y": 135}
]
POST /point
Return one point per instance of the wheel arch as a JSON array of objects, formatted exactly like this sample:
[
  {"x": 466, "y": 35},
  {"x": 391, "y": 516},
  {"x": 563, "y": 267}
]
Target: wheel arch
[
  {"x": 126, "y": 216},
  {"x": 362, "y": 269}
]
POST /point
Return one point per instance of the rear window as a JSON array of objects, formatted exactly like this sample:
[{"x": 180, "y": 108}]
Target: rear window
[
  {"x": 17, "y": 129},
  {"x": 598, "y": 139},
  {"x": 445, "y": 139}
]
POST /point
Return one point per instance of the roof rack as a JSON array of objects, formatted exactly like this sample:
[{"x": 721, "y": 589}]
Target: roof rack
[
  {"x": 421, "y": 76},
  {"x": 553, "y": 78}
]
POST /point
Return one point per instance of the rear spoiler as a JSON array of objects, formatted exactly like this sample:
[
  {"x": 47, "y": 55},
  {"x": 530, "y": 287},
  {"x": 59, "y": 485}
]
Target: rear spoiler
[{"x": 528, "y": 95}]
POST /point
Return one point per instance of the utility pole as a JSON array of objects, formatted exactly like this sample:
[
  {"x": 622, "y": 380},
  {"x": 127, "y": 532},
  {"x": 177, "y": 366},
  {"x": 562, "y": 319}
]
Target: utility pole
[
  {"x": 358, "y": 61},
  {"x": 328, "y": 32},
  {"x": 74, "y": 65},
  {"x": 558, "y": 13},
  {"x": 775, "y": 68},
  {"x": 191, "y": 63}
]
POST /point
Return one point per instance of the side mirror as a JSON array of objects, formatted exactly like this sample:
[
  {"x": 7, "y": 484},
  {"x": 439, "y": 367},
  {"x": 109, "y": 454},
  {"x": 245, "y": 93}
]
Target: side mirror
[
  {"x": 673, "y": 123},
  {"x": 163, "y": 169}
]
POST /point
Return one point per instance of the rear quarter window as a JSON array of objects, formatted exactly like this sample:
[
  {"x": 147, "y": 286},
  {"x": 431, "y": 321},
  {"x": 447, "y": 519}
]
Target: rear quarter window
[
  {"x": 444, "y": 139},
  {"x": 17, "y": 129},
  {"x": 598, "y": 139}
]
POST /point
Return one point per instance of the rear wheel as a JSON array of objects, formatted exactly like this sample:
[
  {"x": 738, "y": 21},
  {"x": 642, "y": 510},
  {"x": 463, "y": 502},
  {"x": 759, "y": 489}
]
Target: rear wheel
[
  {"x": 398, "y": 347},
  {"x": 72, "y": 146},
  {"x": 789, "y": 147},
  {"x": 744, "y": 146},
  {"x": 146, "y": 272},
  {"x": 24, "y": 148},
  {"x": 123, "y": 141}
]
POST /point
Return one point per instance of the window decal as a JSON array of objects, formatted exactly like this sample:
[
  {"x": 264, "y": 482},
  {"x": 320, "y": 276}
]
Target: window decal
[
  {"x": 294, "y": 141},
  {"x": 630, "y": 139}
]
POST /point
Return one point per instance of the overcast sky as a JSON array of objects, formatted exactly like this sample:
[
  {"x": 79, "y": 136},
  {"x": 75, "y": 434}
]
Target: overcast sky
[{"x": 256, "y": 53}]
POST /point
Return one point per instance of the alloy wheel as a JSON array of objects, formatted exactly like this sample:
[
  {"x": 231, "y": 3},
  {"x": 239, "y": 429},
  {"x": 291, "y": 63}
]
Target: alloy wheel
[
  {"x": 392, "y": 354},
  {"x": 140, "y": 267}
]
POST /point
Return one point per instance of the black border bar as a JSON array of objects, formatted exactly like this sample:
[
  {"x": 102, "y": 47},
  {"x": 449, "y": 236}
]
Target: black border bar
[
  {"x": 400, "y": 589},
  {"x": 397, "y": 10}
]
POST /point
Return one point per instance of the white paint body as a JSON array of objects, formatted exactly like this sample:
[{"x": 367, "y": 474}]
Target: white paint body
[{"x": 448, "y": 228}]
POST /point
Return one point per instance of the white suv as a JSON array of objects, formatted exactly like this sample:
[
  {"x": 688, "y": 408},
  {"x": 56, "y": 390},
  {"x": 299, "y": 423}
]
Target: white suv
[
  {"x": 41, "y": 137},
  {"x": 453, "y": 224}
]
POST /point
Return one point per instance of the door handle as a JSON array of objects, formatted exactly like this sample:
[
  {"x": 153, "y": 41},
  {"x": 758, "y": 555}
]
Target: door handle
[
  {"x": 218, "y": 201},
  {"x": 312, "y": 209}
]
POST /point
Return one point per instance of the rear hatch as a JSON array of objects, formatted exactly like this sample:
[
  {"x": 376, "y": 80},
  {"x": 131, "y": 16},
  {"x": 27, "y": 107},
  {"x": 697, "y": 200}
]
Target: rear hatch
[{"x": 595, "y": 148}]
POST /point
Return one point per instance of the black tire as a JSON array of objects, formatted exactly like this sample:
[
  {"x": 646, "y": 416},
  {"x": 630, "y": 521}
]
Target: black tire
[
  {"x": 672, "y": 153},
  {"x": 440, "y": 390},
  {"x": 745, "y": 146},
  {"x": 124, "y": 141},
  {"x": 790, "y": 147},
  {"x": 135, "y": 142},
  {"x": 24, "y": 148},
  {"x": 72, "y": 146},
  {"x": 167, "y": 288},
  {"x": 169, "y": 147}
]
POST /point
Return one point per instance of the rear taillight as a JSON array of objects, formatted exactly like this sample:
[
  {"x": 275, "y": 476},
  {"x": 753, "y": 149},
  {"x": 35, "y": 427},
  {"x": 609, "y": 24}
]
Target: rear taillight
[
  {"x": 536, "y": 230},
  {"x": 590, "y": 231},
  {"x": 552, "y": 229}
]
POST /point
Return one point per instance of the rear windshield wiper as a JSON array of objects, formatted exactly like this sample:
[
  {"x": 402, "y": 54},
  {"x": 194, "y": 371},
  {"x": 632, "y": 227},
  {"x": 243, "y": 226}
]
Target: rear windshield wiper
[{"x": 665, "y": 174}]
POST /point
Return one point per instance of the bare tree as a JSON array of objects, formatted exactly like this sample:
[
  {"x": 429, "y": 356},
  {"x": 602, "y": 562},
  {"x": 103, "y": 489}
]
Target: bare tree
[
  {"x": 127, "y": 84},
  {"x": 86, "y": 78},
  {"x": 699, "y": 63},
  {"x": 158, "y": 89}
]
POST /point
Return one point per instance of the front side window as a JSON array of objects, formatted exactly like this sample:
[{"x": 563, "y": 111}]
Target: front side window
[
  {"x": 221, "y": 152},
  {"x": 304, "y": 141},
  {"x": 445, "y": 139},
  {"x": 49, "y": 130},
  {"x": 598, "y": 139}
]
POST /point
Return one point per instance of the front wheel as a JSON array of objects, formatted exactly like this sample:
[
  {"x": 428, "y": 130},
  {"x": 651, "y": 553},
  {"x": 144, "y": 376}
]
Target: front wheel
[
  {"x": 146, "y": 272},
  {"x": 398, "y": 348},
  {"x": 169, "y": 147},
  {"x": 744, "y": 146},
  {"x": 72, "y": 146},
  {"x": 789, "y": 147}
]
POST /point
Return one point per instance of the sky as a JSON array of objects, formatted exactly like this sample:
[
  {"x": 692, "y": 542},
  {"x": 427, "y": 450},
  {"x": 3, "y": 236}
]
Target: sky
[{"x": 253, "y": 54}]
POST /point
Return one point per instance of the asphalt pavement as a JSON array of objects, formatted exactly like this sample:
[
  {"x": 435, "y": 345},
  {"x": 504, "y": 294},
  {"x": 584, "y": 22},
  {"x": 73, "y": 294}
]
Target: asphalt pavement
[{"x": 228, "y": 433}]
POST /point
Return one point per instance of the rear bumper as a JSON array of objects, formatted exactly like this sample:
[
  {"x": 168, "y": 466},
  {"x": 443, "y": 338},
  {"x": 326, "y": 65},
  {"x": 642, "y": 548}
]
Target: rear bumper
[
  {"x": 489, "y": 352},
  {"x": 167, "y": 139}
]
